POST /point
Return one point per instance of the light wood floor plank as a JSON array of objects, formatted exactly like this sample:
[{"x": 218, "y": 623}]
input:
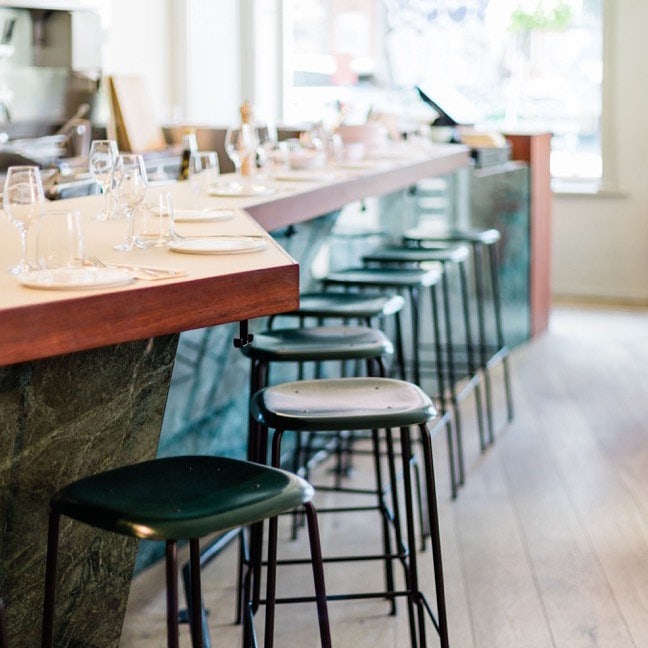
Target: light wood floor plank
[{"x": 547, "y": 544}]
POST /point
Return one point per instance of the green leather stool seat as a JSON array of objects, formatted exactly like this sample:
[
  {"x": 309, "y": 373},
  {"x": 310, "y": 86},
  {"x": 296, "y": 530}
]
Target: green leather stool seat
[
  {"x": 360, "y": 306},
  {"x": 342, "y": 403},
  {"x": 456, "y": 235},
  {"x": 186, "y": 498},
  {"x": 181, "y": 497},
  {"x": 400, "y": 254},
  {"x": 393, "y": 278},
  {"x": 318, "y": 343}
]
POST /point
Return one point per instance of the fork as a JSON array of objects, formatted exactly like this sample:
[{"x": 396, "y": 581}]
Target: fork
[{"x": 147, "y": 271}]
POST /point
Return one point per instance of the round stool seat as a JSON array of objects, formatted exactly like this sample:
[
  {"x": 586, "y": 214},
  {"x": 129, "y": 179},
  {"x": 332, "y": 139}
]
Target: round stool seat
[
  {"x": 348, "y": 305},
  {"x": 396, "y": 254},
  {"x": 181, "y": 497},
  {"x": 342, "y": 404},
  {"x": 469, "y": 235},
  {"x": 318, "y": 343},
  {"x": 386, "y": 277}
]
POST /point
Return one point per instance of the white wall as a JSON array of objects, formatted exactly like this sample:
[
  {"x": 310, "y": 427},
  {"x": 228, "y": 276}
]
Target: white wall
[
  {"x": 136, "y": 42},
  {"x": 600, "y": 244}
]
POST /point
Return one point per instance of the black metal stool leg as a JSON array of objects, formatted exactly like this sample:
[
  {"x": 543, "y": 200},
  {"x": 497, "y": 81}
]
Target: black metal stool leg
[
  {"x": 47, "y": 640},
  {"x": 271, "y": 583},
  {"x": 318, "y": 574},
  {"x": 412, "y": 569},
  {"x": 451, "y": 375},
  {"x": 441, "y": 388},
  {"x": 197, "y": 630},
  {"x": 380, "y": 488},
  {"x": 470, "y": 353},
  {"x": 497, "y": 305},
  {"x": 433, "y": 516},
  {"x": 173, "y": 639},
  {"x": 478, "y": 261}
]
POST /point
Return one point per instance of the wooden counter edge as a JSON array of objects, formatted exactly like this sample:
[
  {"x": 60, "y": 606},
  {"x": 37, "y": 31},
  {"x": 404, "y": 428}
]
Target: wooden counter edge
[{"x": 91, "y": 321}]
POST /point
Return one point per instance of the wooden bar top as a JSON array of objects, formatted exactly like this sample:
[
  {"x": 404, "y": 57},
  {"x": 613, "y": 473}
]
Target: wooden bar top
[{"x": 217, "y": 288}]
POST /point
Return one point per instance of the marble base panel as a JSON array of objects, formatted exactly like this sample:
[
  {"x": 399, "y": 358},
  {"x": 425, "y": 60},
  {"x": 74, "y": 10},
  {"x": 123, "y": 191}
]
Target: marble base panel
[{"x": 61, "y": 419}]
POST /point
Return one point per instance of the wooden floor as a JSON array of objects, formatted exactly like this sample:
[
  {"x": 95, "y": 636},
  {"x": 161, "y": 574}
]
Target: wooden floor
[{"x": 547, "y": 543}]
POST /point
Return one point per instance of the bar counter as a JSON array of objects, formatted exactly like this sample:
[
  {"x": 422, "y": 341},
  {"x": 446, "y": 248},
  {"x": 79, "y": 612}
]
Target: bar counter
[{"x": 84, "y": 375}]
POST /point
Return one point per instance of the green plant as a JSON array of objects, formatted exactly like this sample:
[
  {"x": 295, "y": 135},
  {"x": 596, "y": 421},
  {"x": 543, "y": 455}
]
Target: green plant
[{"x": 545, "y": 16}]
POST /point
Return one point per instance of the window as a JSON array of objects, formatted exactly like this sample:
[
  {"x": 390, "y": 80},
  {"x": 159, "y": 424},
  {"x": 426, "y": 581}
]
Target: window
[{"x": 520, "y": 64}]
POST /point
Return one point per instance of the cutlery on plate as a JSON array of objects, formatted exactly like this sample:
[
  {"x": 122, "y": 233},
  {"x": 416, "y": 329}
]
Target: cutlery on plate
[{"x": 145, "y": 272}]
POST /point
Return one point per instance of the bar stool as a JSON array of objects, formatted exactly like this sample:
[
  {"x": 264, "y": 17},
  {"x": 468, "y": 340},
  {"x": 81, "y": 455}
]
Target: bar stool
[
  {"x": 315, "y": 345},
  {"x": 484, "y": 244},
  {"x": 370, "y": 309},
  {"x": 186, "y": 498},
  {"x": 461, "y": 364},
  {"x": 410, "y": 281},
  {"x": 367, "y": 404}
]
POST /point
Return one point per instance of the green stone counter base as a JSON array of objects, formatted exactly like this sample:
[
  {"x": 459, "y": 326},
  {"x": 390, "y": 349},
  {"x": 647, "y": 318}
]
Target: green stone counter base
[{"x": 64, "y": 418}]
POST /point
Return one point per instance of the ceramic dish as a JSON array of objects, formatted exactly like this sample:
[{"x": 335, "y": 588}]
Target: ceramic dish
[
  {"x": 76, "y": 278},
  {"x": 202, "y": 215},
  {"x": 236, "y": 189},
  {"x": 219, "y": 245}
]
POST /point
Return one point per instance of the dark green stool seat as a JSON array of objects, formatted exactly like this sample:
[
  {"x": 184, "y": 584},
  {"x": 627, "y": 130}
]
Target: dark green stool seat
[
  {"x": 371, "y": 309},
  {"x": 369, "y": 404},
  {"x": 461, "y": 353},
  {"x": 349, "y": 306},
  {"x": 492, "y": 347},
  {"x": 184, "y": 498},
  {"x": 318, "y": 343}
]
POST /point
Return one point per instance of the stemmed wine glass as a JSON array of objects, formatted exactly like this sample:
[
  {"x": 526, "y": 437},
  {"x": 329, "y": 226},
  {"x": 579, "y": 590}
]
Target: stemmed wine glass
[
  {"x": 241, "y": 146},
  {"x": 103, "y": 154},
  {"x": 266, "y": 141},
  {"x": 23, "y": 200},
  {"x": 128, "y": 185}
]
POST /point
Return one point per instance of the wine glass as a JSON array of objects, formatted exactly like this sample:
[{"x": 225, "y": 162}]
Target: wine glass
[
  {"x": 128, "y": 185},
  {"x": 203, "y": 170},
  {"x": 103, "y": 154},
  {"x": 241, "y": 147},
  {"x": 23, "y": 200},
  {"x": 266, "y": 139}
]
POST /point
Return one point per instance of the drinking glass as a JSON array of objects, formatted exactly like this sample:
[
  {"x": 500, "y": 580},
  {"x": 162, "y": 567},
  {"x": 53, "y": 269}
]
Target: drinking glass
[
  {"x": 203, "y": 170},
  {"x": 153, "y": 221},
  {"x": 23, "y": 200},
  {"x": 241, "y": 146},
  {"x": 59, "y": 240},
  {"x": 128, "y": 185},
  {"x": 103, "y": 154}
]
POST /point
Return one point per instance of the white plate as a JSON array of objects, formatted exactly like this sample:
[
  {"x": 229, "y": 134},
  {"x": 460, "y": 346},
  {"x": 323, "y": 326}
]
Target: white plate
[
  {"x": 219, "y": 245},
  {"x": 356, "y": 164},
  {"x": 303, "y": 176},
  {"x": 236, "y": 189},
  {"x": 202, "y": 215},
  {"x": 76, "y": 278}
]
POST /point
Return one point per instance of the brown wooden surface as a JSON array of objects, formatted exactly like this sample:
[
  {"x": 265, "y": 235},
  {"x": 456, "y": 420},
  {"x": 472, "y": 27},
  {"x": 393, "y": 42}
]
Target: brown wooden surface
[
  {"x": 91, "y": 321},
  {"x": 383, "y": 179},
  {"x": 217, "y": 289},
  {"x": 535, "y": 149}
]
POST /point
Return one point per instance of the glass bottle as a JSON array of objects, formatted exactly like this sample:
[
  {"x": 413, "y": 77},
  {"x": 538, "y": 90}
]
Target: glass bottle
[{"x": 189, "y": 145}]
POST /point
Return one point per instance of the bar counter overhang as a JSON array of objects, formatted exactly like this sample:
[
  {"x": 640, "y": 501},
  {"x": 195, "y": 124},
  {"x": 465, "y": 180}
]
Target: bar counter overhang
[{"x": 84, "y": 378}]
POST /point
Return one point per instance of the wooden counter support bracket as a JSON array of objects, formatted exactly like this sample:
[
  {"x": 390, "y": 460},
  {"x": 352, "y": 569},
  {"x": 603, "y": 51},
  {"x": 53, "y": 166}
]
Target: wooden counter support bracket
[{"x": 244, "y": 337}]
